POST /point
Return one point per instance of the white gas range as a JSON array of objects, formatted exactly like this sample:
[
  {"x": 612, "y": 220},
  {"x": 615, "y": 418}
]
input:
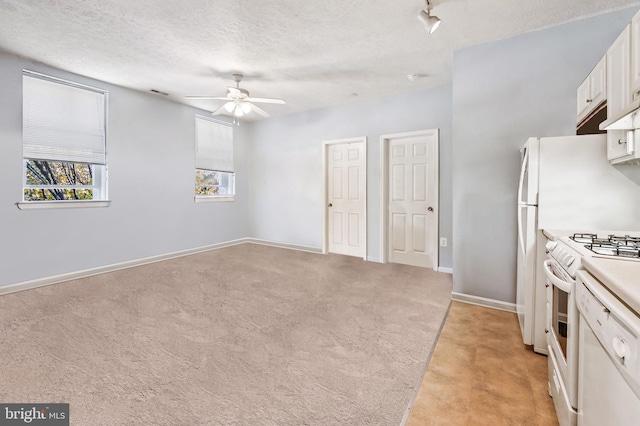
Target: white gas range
[{"x": 564, "y": 260}]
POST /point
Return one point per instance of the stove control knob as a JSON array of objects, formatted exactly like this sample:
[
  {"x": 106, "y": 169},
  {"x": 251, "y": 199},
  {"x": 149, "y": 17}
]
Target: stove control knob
[
  {"x": 620, "y": 348},
  {"x": 551, "y": 245},
  {"x": 563, "y": 257},
  {"x": 570, "y": 260}
]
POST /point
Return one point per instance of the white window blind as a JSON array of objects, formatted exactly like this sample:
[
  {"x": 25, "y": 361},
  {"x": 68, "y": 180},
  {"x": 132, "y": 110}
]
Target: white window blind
[
  {"x": 214, "y": 145},
  {"x": 62, "y": 122}
]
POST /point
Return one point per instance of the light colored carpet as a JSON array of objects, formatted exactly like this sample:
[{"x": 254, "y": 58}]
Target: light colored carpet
[{"x": 245, "y": 335}]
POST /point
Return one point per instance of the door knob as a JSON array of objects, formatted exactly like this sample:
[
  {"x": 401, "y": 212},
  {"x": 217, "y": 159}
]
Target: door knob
[
  {"x": 430, "y": 209},
  {"x": 330, "y": 205}
]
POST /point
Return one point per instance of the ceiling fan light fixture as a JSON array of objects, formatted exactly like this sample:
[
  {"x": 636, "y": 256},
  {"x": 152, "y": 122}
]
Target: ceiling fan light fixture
[
  {"x": 239, "y": 102},
  {"x": 229, "y": 106}
]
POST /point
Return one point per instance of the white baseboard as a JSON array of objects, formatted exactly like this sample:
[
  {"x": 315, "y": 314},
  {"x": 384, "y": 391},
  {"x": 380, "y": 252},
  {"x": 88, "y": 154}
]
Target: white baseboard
[
  {"x": 299, "y": 247},
  {"x": 41, "y": 282},
  {"x": 445, "y": 270},
  {"x": 482, "y": 301}
]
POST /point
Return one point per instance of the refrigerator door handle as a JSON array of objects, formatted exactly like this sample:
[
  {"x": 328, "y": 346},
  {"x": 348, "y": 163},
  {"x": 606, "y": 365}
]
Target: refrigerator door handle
[
  {"x": 523, "y": 170},
  {"x": 521, "y": 210}
]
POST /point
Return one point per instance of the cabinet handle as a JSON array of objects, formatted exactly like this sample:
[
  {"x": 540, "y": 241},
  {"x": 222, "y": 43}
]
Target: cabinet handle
[
  {"x": 620, "y": 142},
  {"x": 589, "y": 101}
]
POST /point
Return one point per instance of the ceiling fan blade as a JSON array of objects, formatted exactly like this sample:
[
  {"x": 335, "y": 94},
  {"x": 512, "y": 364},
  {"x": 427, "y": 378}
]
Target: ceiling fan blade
[
  {"x": 209, "y": 97},
  {"x": 221, "y": 110},
  {"x": 266, "y": 100},
  {"x": 259, "y": 110}
]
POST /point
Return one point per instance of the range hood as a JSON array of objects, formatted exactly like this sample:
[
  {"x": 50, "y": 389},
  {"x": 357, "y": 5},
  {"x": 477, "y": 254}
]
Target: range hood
[{"x": 627, "y": 119}]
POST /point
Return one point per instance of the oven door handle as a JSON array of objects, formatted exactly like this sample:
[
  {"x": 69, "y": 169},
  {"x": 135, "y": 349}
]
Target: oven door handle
[{"x": 561, "y": 284}]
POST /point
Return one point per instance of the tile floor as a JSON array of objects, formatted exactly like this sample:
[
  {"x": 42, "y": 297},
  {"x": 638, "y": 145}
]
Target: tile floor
[{"x": 482, "y": 374}]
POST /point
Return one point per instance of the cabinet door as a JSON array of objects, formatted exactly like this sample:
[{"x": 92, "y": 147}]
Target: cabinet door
[
  {"x": 635, "y": 57},
  {"x": 592, "y": 92},
  {"x": 618, "y": 81},
  {"x": 583, "y": 100},
  {"x": 598, "y": 83}
]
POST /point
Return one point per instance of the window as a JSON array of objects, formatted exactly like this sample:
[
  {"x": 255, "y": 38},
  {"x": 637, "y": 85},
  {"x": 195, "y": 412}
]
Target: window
[
  {"x": 215, "y": 178},
  {"x": 63, "y": 141}
]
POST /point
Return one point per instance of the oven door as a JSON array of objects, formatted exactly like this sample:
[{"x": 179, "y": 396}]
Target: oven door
[
  {"x": 560, "y": 285},
  {"x": 562, "y": 326}
]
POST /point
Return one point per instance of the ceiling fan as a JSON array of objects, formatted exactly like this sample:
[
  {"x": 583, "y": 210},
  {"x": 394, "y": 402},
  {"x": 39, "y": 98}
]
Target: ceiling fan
[{"x": 239, "y": 102}]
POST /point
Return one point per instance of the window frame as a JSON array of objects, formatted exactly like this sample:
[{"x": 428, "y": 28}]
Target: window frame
[
  {"x": 212, "y": 198},
  {"x": 100, "y": 171}
]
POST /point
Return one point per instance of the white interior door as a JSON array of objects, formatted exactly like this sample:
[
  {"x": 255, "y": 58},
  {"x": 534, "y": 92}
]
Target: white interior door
[
  {"x": 346, "y": 198},
  {"x": 413, "y": 199}
]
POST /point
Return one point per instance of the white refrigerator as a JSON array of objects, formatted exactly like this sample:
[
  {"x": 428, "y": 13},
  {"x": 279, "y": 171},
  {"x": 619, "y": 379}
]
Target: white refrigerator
[{"x": 566, "y": 183}]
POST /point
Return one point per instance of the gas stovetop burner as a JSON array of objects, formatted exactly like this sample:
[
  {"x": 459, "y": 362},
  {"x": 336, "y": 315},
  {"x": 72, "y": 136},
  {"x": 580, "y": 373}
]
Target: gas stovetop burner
[
  {"x": 584, "y": 238},
  {"x": 622, "y": 246},
  {"x": 614, "y": 250}
]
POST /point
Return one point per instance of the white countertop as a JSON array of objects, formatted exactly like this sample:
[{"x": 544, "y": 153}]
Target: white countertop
[
  {"x": 555, "y": 234},
  {"x": 621, "y": 277}
]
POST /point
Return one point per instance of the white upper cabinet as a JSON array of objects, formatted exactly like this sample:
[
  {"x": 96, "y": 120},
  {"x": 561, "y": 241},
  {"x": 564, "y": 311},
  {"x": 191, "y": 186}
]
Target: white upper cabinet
[
  {"x": 592, "y": 92},
  {"x": 635, "y": 57},
  {"x": 583, "y": 100},
  {"x": 620, "y": 143},
  {"x": 618, "y": 81},
  {"x": 598, "y": 83},
  {"x": 623, "y": 95}
]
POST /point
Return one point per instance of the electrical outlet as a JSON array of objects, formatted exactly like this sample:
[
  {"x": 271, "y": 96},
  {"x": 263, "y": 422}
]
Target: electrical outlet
[{"x": 443, "y": 242}]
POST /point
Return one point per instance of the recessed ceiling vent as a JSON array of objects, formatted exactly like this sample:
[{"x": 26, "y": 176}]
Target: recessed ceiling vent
[{"x": 157, "y": 92}]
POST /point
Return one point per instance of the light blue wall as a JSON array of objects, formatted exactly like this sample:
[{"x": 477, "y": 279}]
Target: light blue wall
[
  {"x": 503, "y": 93},
  {"x": 286, "y": 165},
  {"x": 151, "y": 184},
  {"x": 151, "y": 161}
]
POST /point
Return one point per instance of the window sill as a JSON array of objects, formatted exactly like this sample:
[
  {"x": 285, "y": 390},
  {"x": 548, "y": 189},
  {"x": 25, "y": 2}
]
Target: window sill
[
  {"x": 214, "y": 199},
  {"x": 39, "y": 205}
]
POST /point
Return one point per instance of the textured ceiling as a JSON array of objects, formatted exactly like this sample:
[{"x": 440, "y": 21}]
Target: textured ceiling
[{"x": 312, "y": 54}]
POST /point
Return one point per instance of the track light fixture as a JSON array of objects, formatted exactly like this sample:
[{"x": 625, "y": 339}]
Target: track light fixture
[{"x": 431, "y": 22}]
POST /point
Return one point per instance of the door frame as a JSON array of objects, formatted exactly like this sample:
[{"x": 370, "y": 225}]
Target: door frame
[
  {"x": 325, "y": 189},
  {"x": 384, "y": 192}
]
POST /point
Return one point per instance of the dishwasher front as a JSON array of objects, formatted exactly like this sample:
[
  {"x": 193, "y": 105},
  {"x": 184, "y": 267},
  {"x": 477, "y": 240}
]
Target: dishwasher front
[{"x": 608, "y": 369}]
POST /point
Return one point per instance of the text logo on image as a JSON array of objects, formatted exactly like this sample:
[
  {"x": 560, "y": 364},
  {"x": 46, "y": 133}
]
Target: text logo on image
[{"x": 34, "y": 414}]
